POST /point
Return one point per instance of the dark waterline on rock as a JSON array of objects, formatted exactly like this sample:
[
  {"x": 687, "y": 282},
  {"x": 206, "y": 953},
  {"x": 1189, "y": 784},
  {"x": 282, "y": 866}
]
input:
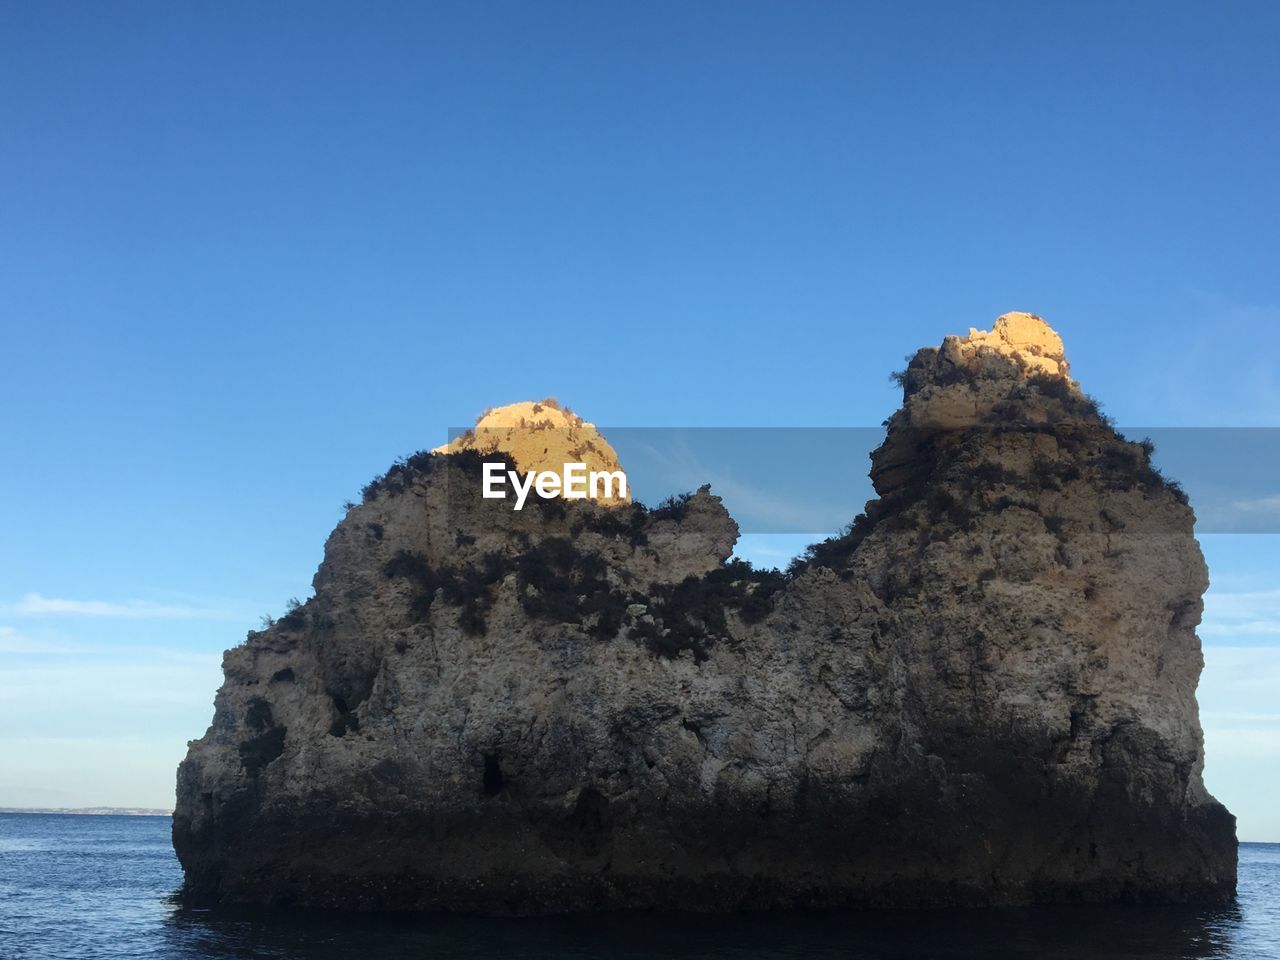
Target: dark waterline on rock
[{"x": 91, "y": 887}]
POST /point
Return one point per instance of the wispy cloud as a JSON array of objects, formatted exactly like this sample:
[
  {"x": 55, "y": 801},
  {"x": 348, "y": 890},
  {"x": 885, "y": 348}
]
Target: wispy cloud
[
  {"x": 1238, "y": 708},
  {"x": 1251, "y": 628},
  {"x": 1251, "y": 613},
  {"x": 1247, "y": 388},
  {"x": 1270, "y": 504},
  {"x": 37, "y": 605},
  {"x": 1244, "y": 672},
  {"x": 11, "y": 641}
]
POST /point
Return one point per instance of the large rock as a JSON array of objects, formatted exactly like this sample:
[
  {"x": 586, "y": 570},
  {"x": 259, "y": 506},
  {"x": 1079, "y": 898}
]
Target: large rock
[{"x": 982, "y": 693}]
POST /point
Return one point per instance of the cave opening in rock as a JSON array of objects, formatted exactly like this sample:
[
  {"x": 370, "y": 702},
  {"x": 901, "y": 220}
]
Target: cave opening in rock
[{"x": 493, "y": 780}]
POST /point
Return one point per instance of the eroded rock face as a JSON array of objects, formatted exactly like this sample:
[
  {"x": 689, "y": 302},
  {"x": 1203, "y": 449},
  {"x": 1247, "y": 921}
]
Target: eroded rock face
[{"x": 982, "y": 693}]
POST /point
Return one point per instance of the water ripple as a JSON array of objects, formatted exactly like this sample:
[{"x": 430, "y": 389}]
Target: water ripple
[{"x": 92, "y": 888}]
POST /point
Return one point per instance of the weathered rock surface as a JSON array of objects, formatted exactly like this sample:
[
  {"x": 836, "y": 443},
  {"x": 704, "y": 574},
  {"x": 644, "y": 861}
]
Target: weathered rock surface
[{"x": 982, "y": 693}]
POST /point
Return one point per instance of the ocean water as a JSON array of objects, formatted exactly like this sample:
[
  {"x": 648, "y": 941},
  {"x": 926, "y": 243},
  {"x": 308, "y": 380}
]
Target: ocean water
[{"x": 89, "y": 887}]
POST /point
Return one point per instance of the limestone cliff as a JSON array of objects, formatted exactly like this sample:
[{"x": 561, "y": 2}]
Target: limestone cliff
[{"x": 983, "y": 692}]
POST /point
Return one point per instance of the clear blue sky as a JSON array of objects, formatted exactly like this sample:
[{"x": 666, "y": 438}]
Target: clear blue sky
[{"x": 253, "y": 252}]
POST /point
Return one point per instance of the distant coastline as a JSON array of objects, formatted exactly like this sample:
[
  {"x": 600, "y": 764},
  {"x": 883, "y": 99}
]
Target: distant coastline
[{"x": 94, "y": 811}]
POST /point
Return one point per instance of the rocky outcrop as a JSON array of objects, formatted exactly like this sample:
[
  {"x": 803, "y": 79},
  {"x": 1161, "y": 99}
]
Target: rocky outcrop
[
  {"x": 541, "y": 436},
  {"x": 983, "y": 692}
]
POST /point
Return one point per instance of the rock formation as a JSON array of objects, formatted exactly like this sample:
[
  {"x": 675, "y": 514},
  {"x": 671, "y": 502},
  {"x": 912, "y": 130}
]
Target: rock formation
[{"x": 983, "y": 692}]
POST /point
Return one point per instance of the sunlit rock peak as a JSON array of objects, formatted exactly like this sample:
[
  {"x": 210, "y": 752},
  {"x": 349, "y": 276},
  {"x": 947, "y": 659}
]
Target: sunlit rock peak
[
  {"x": 540, "y": 435},
  {"x": 1024, "y": 338}
]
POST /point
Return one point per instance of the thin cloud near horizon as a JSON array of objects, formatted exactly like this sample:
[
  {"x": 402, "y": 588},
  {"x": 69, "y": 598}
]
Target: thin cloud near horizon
[{"x": 38, "y": 605}]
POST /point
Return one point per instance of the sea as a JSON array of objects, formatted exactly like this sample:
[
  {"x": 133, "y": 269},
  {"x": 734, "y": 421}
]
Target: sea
[{"x": 89, "y": 887}]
